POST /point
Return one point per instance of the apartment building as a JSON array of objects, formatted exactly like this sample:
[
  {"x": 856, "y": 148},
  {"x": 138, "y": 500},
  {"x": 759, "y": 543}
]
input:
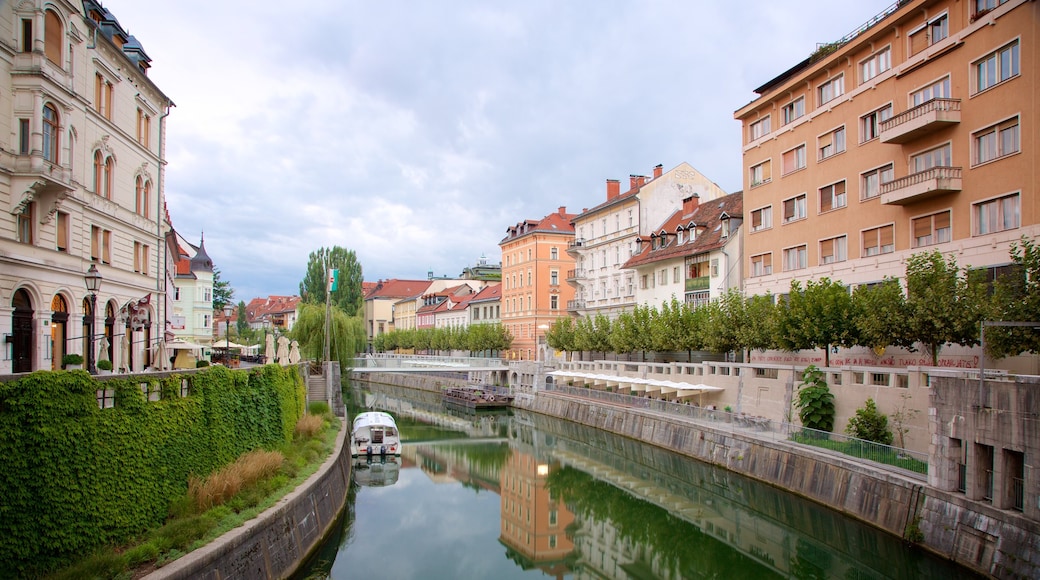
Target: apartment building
[
  {"x": 914, "y": 133},
  {"x": 192, "y": 294},
  {"x": 81, "y": 165},
  {"x": 606, "y": 236},
  {"x": 534, "y": 261}
]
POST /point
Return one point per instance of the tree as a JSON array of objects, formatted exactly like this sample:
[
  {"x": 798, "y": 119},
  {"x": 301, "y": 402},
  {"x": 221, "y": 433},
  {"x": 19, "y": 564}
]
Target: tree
[
  {"x": 756, "y": 330},
  {"x": 870, "y": 425},
  {"x": 223, "y": 293},
  {"x": 347, "y": 336},
  {"x": 942, "y": 302},
  {"x": 348, "y": 295},
  {"x": 242, "y": 319},
  {"x": 560, "y": 335},
  {"x": 814, "y": 401},
  {"x": 1017, "y": 299},
  {"x": 880, "y": 315},
  {"x": 817, "y": 317}
]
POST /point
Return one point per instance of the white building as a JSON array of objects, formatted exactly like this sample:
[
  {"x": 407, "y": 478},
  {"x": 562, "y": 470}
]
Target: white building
[
  {"x": 192, "y": 318},
  {"x": 81, "y": 167}
]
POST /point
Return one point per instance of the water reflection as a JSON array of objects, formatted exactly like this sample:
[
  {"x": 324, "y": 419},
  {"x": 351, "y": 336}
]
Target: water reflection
[{"x": 526, "y": 495}]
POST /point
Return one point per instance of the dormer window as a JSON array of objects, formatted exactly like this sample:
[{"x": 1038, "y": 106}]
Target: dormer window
[{"x": 679, "y": 236}]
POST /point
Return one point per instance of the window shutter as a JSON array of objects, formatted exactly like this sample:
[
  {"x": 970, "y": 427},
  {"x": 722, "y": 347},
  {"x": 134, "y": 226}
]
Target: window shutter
[{"x": 886, "y": 235}]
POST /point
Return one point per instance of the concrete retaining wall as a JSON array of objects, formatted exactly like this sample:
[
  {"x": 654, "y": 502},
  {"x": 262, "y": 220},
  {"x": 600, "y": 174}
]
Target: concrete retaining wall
[{"x": 274, "y": 544}]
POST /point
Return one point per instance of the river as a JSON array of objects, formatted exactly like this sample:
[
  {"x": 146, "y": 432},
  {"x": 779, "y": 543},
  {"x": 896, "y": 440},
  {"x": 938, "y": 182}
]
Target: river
[{"x": 521, "y": 495}]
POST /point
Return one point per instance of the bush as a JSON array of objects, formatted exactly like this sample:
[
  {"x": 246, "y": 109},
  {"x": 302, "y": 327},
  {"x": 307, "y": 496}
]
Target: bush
[
  {"x": 201, "y": 363},
  {"x": 227, "y": 482},
  {"x": 105, "y": 365},
  {"x": 815, "y": 401},
  {"x": 309, "y": 426},
  {"x": 318, "y": 408},
  {"x": 870, "y": 425},
  {"x": 71, "y": 359}
]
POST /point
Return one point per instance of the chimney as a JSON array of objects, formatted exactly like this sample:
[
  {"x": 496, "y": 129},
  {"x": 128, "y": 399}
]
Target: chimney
[
  {"x": 689, "y": 205},
  {"x": 658, "y": 170},
  {"x": 634, "y": 181},
  {"x": 613, "y": 189},
  {"x": 563, "y": 210}
]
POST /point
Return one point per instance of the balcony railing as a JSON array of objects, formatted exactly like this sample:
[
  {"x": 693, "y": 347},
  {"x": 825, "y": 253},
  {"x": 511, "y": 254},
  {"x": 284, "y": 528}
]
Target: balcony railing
[
  {"x": 921, "y": 185},
  {"x": 695, "y": 284},
  {"x": 576, "y": 274},
  {"x": 574, "y": 305},
  {"x": 921, "y": 120}
]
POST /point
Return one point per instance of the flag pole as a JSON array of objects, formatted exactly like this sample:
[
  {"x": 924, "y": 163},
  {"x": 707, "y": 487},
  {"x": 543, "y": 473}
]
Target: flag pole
[{"x": 330, "y": 287}]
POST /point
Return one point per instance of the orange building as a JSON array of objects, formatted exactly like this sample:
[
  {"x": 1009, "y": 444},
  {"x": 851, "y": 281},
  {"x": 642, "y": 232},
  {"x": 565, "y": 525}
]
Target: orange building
[
  {"x": 914, "y": 133},
  {"x": 534, "y": 523},
  {"x": 534, "y": 295}
]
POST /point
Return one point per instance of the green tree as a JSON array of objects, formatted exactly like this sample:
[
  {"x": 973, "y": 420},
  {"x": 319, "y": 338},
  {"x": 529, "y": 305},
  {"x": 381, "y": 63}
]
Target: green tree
[
  {"x": 242, "y": 319},
  {"x": 223, "y": 293},
  {"x": 667, "y": 326},
  {"x": 348, "y": 296},
  {"x": 756, "y": 331},
  {"x": 943, "y": 303},
  {"x": 880, "y": 315},
  {"x": 814, "y": 401},
  {"x": 870, "y": 425},
  {"x": 1017, "y": 299},
  {"x": 560, "y": 335},
  {"x": 347, "y": 336},
  {"x": 820, "y": 316}
]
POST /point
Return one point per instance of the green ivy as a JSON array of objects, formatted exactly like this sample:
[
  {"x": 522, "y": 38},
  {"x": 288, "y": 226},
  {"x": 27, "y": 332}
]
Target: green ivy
[{"x": 76, "y": 477}]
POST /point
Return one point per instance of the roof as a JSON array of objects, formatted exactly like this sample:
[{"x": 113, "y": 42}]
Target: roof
[
  {"x": 260, "y": 308},
  {"x": 558, "y": 222},
  {"x": 394, "y": 288},
  {"x": 489, "y": 293},
  {"x": 707, "y": 215}
]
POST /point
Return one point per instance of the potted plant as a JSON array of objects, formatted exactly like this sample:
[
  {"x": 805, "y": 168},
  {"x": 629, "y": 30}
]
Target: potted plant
[
  {"x": 72, "y": 361},
  {"x": 104, "y": 366}
]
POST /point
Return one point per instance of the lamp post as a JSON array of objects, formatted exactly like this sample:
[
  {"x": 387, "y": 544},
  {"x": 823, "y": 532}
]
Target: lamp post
[
  {"x": 228, "y": 309},
  {"x": 92, "y": 279}
]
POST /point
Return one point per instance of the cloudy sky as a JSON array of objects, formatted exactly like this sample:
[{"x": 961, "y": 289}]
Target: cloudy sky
[{"x": 415, "y": 133}]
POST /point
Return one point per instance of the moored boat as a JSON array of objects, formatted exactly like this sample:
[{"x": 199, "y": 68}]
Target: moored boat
[
  {"x": 374, "y": 433},
  {"x": 476, "y": 398}
]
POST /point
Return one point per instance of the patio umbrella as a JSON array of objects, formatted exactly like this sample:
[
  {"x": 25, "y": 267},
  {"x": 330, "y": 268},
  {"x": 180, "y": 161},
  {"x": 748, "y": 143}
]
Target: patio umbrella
[
  {"x": 294, "y": 353},
  {"x": 124, "y": 352},
  {"x": 162, "y": 356},
  {"x": 269, "y": 350},
  {"x": 283, "y": 351},
  {"x": 103, "y": 348}
]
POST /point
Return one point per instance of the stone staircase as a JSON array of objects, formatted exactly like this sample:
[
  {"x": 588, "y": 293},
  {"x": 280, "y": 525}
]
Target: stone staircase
[{"x": 315, "y": 388}]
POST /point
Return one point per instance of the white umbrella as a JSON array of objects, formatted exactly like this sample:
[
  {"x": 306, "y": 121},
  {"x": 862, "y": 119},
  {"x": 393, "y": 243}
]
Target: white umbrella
[
  {"x": 294, "y": 353},
  {"x": 124, "y": 351},
  {"x": 269, "y": 350},
  {"x": 103, "y": 348},
  {"x": 162, "y": 357},
  {"x": 283, "y": 351}
]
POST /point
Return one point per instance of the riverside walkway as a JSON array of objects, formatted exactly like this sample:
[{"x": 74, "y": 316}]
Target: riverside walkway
[{"x": 381, "y": 363}]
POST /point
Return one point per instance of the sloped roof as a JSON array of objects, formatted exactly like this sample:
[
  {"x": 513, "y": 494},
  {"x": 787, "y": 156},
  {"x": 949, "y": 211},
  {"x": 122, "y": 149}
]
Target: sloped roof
[
  {"x": 488, "y": 293},
  {"x": 707, "y": 215},
  {"x": 558, "y": 222},
  {"x": 258, "y": 308},
  {"x": 394, "y": 288}
]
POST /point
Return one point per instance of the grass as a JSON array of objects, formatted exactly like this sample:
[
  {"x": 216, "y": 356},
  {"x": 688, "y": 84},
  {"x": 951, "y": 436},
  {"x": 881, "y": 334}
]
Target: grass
[
  {"x": 218, "y": 503},
  {"x": 857, "y": 449}
]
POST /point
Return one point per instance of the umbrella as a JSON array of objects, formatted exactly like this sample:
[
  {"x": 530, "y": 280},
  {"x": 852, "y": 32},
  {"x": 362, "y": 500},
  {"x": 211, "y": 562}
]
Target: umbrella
[
  {"x": 283, "y": 351},
  {"x": 103, "y": 348},
  {"x": 124, "y": 352},
  {"x": 269, "y": 350},
  {"x": 294, "y": 353},
  {"x": 162, "y": 357}
]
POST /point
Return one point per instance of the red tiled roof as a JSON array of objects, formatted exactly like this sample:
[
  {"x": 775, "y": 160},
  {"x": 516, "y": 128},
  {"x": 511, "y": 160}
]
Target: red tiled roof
[
  {"x": 707, "y": 215},
  {"x": 395, "y": 288},
  {"x": 488, "y": 293},
  {"x": 258, "y": 308},
  {"x": 558, "y": 222}
]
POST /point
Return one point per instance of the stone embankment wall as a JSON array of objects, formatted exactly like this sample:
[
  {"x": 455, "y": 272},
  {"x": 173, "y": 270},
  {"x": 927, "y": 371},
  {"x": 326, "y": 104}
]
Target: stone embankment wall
[
  {"x": 974, "y": 534},
  {"x": 412, "y": 381},
  {"x": 279, "y": 540}
]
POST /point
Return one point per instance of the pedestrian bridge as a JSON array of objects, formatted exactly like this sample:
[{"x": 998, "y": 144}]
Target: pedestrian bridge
[{"x": 407, "y": 363}]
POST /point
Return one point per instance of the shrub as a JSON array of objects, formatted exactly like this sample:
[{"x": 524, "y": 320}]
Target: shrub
[
  {"x": 318, "y": 408},
  {"x": 201, "y": 363},
  {"x": 870, "y": 425},
  {"x": 222, "y": 485},
  {"x": 815, "y": 401},
  {"x": 71, "y": 359},
  {"x": 309, "y": 426},
  {"x": 105, "y": 365}
]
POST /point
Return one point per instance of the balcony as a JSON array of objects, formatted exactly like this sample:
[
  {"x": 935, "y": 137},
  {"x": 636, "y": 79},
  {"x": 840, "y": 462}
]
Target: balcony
[
  {"x": 575, "y": 246},
  {"x": 575, "y": 275},
  {"x": 696, "y": 284},
  {"x": 924, "y": 119},
  {"x": 575, "y": 305},
  {"x": 921, "y": 185}
]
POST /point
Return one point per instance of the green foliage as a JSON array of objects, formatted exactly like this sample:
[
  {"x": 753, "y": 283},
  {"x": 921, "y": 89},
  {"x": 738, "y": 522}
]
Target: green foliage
[
  {"x": 242, "y": 319},
  {"x": 814, "y": 401},
  {"x": 104, "y": 364},
  {"x": 71, "y": 359},
  {"x": 201, "y": 364},
  {"x": 348, "y": 295},
  {"x": 121, "y": 468},
  {"x": 1017, "y": 299},
  {"x": 223, "y": 293},
  {"x": 943, "y": 303},
  {"x": 869, "y": 424},
  {"x": 347, "y": 337},
  {"x": 880, "y": 315},
  {"x": 560, "y": 335},
  {"x": 817, "y": 317}
]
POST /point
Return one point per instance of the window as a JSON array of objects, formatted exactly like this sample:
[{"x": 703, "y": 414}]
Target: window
[
  {"x": 831, "y": 143},
  {"x": 140, "y": 258},
  {"x": 662, "y": 277},
  {"x": 793, "y": 110},
  {"x": 879, "y": 240},
  {"x": 794, "y": 159},
  {"x": 794, "y": 209},
  {"x": 51, "y": 134},
  {"x": 144, "y": 127},
  {"x": 103, "y": 96},
  {"x": 795, "y": 258},
  {"x": 997, "y": 67},
  {"x": 100, "y": 245},
  {"x": 554, "y": 278},
  {"x": 62, "y": 235},
  {"x": 996, "y": 141},
  {"x": 931, "y": 229},
  {"x": 53, "y": 36},
  {"x": 878, "y": 63},
  {"x": 99, "y": 172},
  {"x": 760, "y": 173},
  {"x": 980, "y": 7},
  {"x": 554, "y": 302},
  {"x": 554, "y": 254},
  {"x": 25, "y": 223},
  {"x": 762, "y": 265},
  {"x": 759, "y": 129},
  {"x": 872, "y": 180},
  {"x": 109, "y": 166},
  {"x": 938, "y": 157},
  {"x": 27, "y": 35},
  {"x": 933, "y": 31},
  {"x": 715, "y": 268},
  {"x": 940, "y": 89},
  {"x": 833, "y": 250},
  {"x": 832, "y": 196},
  {"x": 144, "y": 194},
  {"x": 23, "y": 136},
  {"x": 675, "y": 275},
  {"x": 870, "y": 124},
  {"x": 642, "y": 282},
  {"x": 830, "y": 90},
  {"x": 762, "y": 219},
  {"x": 998, "y": 215}
]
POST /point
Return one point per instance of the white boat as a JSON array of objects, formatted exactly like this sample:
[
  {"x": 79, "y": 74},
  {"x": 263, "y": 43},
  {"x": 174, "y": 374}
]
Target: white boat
[
  {"x": 374, "y": 433},
  {"x": 376, "y": 472}
]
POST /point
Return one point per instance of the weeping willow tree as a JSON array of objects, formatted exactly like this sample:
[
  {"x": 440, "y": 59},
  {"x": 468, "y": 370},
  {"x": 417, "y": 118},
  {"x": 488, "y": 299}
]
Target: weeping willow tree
[{"x": 347, "y": 337}]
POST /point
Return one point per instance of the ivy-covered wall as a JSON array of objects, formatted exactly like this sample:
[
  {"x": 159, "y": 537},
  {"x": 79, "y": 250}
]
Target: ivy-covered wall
[{"x": 74, "y": 477}]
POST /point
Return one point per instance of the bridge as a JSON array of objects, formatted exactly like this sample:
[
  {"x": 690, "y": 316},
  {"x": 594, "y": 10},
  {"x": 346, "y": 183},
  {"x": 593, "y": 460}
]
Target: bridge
[{"x": 414, "y": 363}]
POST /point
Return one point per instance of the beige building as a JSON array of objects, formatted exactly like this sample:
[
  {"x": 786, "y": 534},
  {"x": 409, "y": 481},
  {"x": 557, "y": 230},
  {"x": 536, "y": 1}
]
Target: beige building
[
  {"x": 913, "y": 134},
  {"x": 81, "y": 164},
  {"x": 605, "y": 236}
]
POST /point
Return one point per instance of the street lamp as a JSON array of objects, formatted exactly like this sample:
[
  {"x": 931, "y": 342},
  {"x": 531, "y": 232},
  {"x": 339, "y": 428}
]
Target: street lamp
[
  {"x": 228, "y": 309},
  {"x": 92, "y": 279}
]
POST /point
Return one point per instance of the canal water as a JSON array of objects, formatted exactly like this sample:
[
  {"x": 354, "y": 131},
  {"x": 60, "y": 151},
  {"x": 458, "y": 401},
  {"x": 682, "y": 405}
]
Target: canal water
[{"x": 521, "y": 495}]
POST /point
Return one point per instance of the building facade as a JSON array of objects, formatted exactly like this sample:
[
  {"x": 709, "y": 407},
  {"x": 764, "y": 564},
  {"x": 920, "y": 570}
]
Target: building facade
[
  {"x": 81, "y": 165},
  {"x": 605, "y": 236},
  {"x": 534, "y": 295},
  {"x": 192, "y": 317},
  {"x": 914, "y": 134}
]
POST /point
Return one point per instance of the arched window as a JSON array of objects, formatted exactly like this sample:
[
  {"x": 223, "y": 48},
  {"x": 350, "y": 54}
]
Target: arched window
[
  {"x": 51, "y": 135},
  {"x": 147, "y": 199},
  {"x": 99, "y": 171},
  {"x": 139, "y": 199},
  {"x": 109, "y": 165},
  {"x": 52, "y": 37}
]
